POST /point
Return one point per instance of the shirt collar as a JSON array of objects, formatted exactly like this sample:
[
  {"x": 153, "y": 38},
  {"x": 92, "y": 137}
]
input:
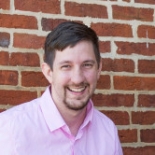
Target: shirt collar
[
  {"x": 50, "y": 112},
  {"x": 89, "y": 115},
  {"x": 52, "y": 116}
]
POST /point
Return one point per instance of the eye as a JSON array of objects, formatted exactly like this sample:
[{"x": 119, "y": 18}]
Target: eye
[
  {"x": 65, "y": 67},
  {"x": 88, "y": 65}
]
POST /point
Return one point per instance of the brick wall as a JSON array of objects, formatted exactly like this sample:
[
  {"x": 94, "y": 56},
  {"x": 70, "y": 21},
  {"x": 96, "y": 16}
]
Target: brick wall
[{"x": 126, "y": 29}]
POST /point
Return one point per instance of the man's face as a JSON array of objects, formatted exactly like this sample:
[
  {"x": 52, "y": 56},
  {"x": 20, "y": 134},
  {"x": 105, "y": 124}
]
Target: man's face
[{"x": 74, "y": 76}]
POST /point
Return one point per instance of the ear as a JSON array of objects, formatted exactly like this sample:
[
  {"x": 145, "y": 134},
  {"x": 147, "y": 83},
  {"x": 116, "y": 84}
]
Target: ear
[
  {"x": 99, "y": 69},
  {"x": 47, "y": 72}
]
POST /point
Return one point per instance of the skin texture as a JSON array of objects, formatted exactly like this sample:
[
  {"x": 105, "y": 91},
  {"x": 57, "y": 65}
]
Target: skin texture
[{"x": 73, "y": 79}]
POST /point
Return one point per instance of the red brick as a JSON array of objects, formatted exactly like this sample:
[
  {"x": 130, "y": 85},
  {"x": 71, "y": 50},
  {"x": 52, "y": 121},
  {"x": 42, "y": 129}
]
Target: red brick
[
  {"x": 103, "y": 82},
  {"x": 4, "y": 58},
  {"x": 50, "y": 24},
  {"x": 119, "y": 117},
  {"x": 14, "y": 97},
  {"x": 113, "y": 100},
  {"x": 112, "y": 29},
  {"x": 147, "y": 150},
  {"x": 33, "y": 79},
  {"x": 24, "y": 59},
  {"x": 128, "y": 136},
  {"x": 145, "y": 1},
  {"x": 146, "y": 100},
  {"x": 18, "y": 21},
  {"x": 132, "y": 13},
  {"x": 128, "y": 48},
  {"x": 85, "y": 10},
  {"x": 147, "y": 135},
  {"x": 8, "y": 77},
  {"x": 145, "y": 31},
  {"x": 5, "y": 5},
  {"x": 104, "y": 46},
  {"x": 143, "y": 118},
  {"x": 117, "y": 65},
  {"x": 28, "y": 41},
  {"x": 146, "y": 66},
  {"x": 1, "y": 110},
  {"x": 134, "y": 83},
  {"x": 46, "y": 6},
  {"x": 4, "y": 39}
]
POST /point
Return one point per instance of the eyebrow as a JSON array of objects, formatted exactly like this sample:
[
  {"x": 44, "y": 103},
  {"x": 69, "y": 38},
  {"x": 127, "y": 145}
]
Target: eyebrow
[
  {"x": 92, "y": 61},
  {"x": 67, "y": 61},
  {"x": 64, "y": 62}
]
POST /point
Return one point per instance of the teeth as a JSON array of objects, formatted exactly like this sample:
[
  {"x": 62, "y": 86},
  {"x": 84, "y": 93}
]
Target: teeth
[{"x": 77, "y": 89}]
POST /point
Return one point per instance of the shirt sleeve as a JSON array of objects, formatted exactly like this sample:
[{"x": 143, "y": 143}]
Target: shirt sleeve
[{"x": 6, "y": 140}]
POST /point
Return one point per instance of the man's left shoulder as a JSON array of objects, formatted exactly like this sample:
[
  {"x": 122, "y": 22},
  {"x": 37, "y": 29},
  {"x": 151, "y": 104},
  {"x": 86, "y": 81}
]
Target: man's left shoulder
[{"x": 102, "y": 119}]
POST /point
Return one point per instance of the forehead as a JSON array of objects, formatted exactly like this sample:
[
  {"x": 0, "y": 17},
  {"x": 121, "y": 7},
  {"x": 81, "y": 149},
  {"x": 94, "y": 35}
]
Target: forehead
[{"x": 82, "y": 51}]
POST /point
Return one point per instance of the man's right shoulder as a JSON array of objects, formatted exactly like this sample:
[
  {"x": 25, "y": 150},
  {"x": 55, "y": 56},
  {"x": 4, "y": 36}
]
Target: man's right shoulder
[{"x": 20, "y": 109}]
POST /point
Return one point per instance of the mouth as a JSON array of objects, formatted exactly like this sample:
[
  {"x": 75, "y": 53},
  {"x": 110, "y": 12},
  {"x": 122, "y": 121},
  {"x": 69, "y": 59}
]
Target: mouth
[{"x": 76, "y": 89}]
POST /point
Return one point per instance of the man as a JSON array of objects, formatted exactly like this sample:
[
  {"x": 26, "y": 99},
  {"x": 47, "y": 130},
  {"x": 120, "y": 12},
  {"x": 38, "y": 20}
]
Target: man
[{"x": 63, "y": 120}]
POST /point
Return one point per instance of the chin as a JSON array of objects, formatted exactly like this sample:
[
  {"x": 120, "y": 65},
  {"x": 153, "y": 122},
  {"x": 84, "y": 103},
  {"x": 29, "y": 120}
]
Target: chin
[{"x": 73, "y": 105}]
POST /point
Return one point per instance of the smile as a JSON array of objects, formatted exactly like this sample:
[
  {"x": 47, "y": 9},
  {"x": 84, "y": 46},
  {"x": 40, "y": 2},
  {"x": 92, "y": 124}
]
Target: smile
[{"x": 78, "y": 89}]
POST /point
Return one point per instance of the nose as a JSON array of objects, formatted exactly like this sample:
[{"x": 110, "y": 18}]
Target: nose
[{"x": 77, "y": 76}]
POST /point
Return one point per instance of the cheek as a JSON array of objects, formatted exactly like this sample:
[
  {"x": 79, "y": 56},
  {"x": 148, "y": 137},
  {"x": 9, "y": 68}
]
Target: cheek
[
  {"x": 92, "y": 77},
  {"x": 61, "y": 78}
]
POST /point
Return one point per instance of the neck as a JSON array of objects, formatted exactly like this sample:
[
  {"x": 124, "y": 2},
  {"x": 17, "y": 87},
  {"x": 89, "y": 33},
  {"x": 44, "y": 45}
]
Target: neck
[
  {"x": 73, "y": 119},
  {"x": 74, "y": 122}
]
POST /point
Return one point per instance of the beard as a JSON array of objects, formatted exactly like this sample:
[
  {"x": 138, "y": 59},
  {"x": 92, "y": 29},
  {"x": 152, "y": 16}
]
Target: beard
[{"x": 76, "y": 105}]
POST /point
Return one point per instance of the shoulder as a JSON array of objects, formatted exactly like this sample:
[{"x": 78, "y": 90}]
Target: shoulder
[
  {"x": 12, "y": 122},
  {"x": 104, "y": 127},
  {"x": 103, "y": 121},
  {"x": 106, "y": 131},
  {"x": 18, "y": 111},
  {"x": 17, "y": 119}
]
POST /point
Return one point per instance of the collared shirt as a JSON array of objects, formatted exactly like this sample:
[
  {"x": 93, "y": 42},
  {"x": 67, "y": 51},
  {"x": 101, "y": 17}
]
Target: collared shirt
[{"x": 37, "y": 128}]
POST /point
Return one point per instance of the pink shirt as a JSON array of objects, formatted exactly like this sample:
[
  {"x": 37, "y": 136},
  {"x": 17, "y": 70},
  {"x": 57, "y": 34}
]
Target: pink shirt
[{"x": 37, "y": 128}]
